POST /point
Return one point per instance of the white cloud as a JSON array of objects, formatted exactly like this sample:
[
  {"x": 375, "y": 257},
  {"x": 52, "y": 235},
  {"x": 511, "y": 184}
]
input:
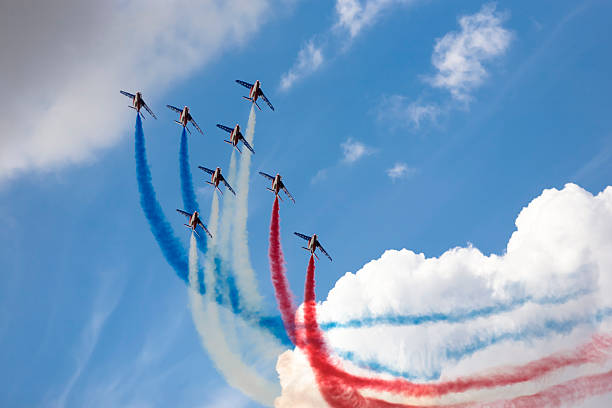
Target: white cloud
[
  {"x": 396, "y": 108},
  {"x": 352, "y": 16},
  {"x": 319, "y": 176},
  {"x": 309, "y": 59},
  {"x": 459, "y": 55},
  {"x": 400, "y": 170},
  {"x": 61, "y": 80},
  {"x": 548, "y": 292},
  {"x": 355, "y": 15},
  {"x": 353, "y": 150}
]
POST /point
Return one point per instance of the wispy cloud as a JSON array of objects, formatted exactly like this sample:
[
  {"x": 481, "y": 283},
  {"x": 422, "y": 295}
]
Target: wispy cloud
[
  {"x": 351, "y": 17},
  {"x": 400, "y": 170},
  {"x": 459, "y": 56},
  {"x": 355, "y": 15},
  {"x": 398, "y": 109},
  {"x": 309, "y": 59},
  {"x": 319, "y": 176},
  {"x": 353, "y": 150}
]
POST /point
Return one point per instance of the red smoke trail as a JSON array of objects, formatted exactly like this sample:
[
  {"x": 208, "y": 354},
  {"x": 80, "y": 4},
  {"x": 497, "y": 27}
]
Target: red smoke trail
[
  {"x": 284, "y": 297},
  {"x": 339, "y": 388}
]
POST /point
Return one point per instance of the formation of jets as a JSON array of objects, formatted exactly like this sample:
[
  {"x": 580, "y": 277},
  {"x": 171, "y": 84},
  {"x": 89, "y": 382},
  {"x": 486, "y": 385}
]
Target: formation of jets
[{"x": 236, "y": 136}]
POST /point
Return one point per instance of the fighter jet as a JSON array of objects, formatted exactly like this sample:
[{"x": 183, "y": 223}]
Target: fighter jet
[
  {"x": 216, "y": 178},
  {"x": 137, "y": 103},
  {"x": 313, "y": 244},
  {"x": 255, "y": 92},
  {"x": 277, "y": 185},
  {"x": 235, "y": 137},
  {"x": 194, "y": 221},
  {"x": 185, "y": 117}
]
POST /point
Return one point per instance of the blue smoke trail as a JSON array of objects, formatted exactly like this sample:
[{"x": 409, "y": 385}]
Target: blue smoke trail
[
  {"x": 480, "y": 342},
  {"x": 169, "y": 244},
  {"x": 453, "y": 317}
]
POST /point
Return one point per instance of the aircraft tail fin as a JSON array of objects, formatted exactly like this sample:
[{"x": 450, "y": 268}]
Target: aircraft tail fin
[
  {"x": 255, "y": 102},
  {"x": 228, "y": 142}
]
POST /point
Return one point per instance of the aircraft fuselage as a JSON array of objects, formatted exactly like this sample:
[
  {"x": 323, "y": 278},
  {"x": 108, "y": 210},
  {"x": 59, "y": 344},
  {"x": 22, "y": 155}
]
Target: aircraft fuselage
[
  {"x": 185, "y": 116},
  {"x": 216, "y": 177},
  {"x": 312, "y": 243},
  {"x": 254, "y": 93},
  {"x": 137, "y": 101},
  {"x": 236, "y": 135},
  {"x": 277, "y": 184}
]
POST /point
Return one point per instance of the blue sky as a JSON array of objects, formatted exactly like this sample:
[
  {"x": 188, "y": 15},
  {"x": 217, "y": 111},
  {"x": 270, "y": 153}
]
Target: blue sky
[{"x": 91, "y": 314}]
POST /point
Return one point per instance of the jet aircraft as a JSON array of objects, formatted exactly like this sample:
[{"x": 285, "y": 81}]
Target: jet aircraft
[
  {"x": 277, "y": 185},
  {"x": 255, "y": 92},
  {"x": 235, "y": 137},
  {"x": 185, "y": 117},
  {"x": 313, "y": 244},
  {"x": 137, "y": 103},
  {"x": 194, "y": 221},
  {"x": 217, "y": 177}
]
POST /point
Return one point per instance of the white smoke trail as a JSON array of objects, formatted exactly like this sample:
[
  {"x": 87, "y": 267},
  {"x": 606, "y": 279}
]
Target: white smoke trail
[
  {"x": 208, "y": 317},
  {"x": 245, "y": 276},
  {"x": 227, "y": 216}
]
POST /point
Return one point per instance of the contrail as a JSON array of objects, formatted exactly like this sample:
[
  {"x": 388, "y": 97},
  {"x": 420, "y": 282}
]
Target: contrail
[
  {"x": 284, "y": 297},
  {"x": 169, "y": 244},
  {"x": 245, "y": 276},
  {"x": 208, "y": 316}
]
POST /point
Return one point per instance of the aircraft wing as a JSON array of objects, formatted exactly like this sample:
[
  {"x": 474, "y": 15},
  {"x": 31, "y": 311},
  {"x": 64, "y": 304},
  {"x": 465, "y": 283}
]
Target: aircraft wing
[
  {"x": 324, "y": 251},
  {"x": 201, "y": 224},
  {"x": 149, "y": 110},
  {"x": 209, "y": 171},
  {"x": 185, "y": 213},
  {"x": 248, "y": 146},
  {"x": 265, "y": 99},
  {"x": 269, "y": 177},
  {"x": 195, "y": 125},
  {"x": 127, "y": 94},
  {"x": 306, "y": 237},
  {"x": 245, "y": 84},
  {"x": 227, "y": 129},
  {"x": 288, "y": 194},
  {"x": 174, "y": 108},
  {"x": 228, "y": 186}
]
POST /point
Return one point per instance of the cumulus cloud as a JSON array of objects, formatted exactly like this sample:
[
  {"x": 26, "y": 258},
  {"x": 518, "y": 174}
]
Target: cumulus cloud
[
  {"x": 309, "y": 59},
  {"x": 459, "y": 56},
  {"x": 353, "y": 150},
  {"x": 399, "y": 110},
  {"x": 61, "y": 79},
  {"x": 465, "y": 313},
  {"x": 400, "y": 170}
]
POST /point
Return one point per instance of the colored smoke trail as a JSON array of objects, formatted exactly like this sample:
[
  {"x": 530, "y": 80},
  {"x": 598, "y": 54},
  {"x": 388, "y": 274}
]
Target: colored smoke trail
[
  {"x": 187, "y": 191},
  {"x": 283, "y": 293},
  {"x": 331, "y": 377},
  {"x": 479, "y": 341},
  {"x": 212, "y": 322},
  {"x": 169, "y": 244},
  {"x": 246, "y": 280},
  {"x": 454, "y": 316}
]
